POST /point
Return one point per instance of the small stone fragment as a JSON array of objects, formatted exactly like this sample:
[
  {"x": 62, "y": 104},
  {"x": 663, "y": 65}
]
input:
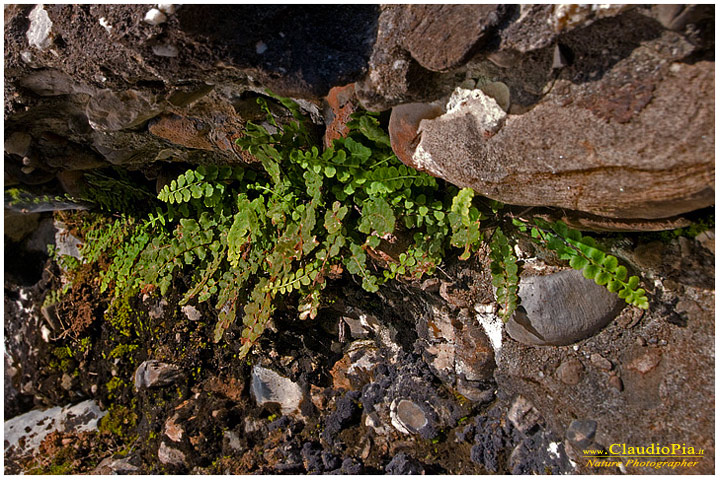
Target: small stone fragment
[
  {"x": 407, "y": 417},
  {"x": 601, "y": 362},
  {"x": 165, "y": 50},
  {"x": 570, "y": 372},
  {"x": 192, "y": 313},
  {"x": 158, "y": 310},
  {"x": 268, "y": 386},
  {"x": 152, "y": 373},
  {"x": 170, "y": 456},
  {"x": 523, "y": 415},
  {"x": 155, "y": 17},
  {"x": 559, "y": 60},
  {"x": 39, "y": 34},
  {"x": 581, "y": 433},
  {"x": 616, "y": 382},
  {"x": 707, "y": 240},
  {"x": 645, "y": 362},
  {"x": 173, "y": 431},
  {"x": 168, "y": 8}
]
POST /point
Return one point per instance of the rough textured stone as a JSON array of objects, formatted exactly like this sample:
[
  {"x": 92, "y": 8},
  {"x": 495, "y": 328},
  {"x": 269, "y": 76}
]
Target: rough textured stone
[
  {"x": 404, "y": 124},
  {"x": 561, "y": 308},
  {"x": 357, "y": 366},
  {"x": 268, "y": 386},
  {"x": 458, "y": 351},
  {"x": 523, "y": 415},
  {"x": 570, "y": 372},
  {"x": 440, "y": 37},
  {"x": 341, "y": 103},
  {"x": 151, "y": 374},
  {"x": 656, "y": 166},
  {"x": 170, "y": 456},
  {"x": 28, "y": 430}
]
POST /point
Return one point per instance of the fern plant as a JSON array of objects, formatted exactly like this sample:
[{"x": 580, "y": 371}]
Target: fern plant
[{"x": 240, "y": 236}]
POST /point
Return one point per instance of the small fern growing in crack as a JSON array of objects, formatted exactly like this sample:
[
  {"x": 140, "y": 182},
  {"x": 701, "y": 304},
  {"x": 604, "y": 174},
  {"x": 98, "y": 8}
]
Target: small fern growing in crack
[
  {"x": 253, "y": 239},
  {"x": 504, "y": 270}
]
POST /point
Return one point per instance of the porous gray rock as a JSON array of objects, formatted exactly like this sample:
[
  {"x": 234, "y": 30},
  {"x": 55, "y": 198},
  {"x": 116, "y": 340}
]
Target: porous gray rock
[
  {"x": 560, "y": 309},
  {"x": 152, "y": 373}
]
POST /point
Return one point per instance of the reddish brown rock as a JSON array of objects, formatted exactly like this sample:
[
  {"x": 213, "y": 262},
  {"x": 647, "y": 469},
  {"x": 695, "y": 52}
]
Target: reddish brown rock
[
  {"x": 645, "y": 362},
  {"x": 343, "y": 103},
  {"x": 403, "y": 128}
]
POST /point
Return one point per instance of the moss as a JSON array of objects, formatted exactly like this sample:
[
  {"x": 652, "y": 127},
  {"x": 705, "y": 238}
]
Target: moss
[
  {"x": 122, "y": 350},
  {"x": 121, "y": 315},
  {"x": 84, "y": 345},
  {"x": 113, "y": 386},
  {"x": 120, "y": 422}
]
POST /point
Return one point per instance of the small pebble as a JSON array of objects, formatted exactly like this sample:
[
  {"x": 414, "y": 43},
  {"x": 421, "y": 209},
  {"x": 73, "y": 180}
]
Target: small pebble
[
  {"x": 616, "y": 383},
  {"x": 168, "y": 8},
  {"x": 640, "y": 341},
  {"x": 645, "y": 362},
  {"x": 662, "y": 343},
  {"x": 165, "y": 50},
  {"x": 601, "y": 362},
  {"x": 155, "y": 17},
  {"x": 581, "y": 433},
  {"x": 570, "y": 372},
  {"x": 260, "y": 47}
]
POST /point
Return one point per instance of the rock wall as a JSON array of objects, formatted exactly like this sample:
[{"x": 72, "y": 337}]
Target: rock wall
[{"x": 605, "y": 110}]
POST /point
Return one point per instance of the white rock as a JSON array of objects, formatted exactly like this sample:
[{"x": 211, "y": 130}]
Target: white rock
[
  {"x": 39, "y": 33},
  {"x": 493, "y": 326},
  {"x": 168, "y": 8},
  {"x": 155, "y": 17},
  {"x": 27, "y": 431},
  {"x": 45, "y": 333},
  {"x": 105, "y": 24},
  {"x": 192, "y": 313},
  {"x": 267, "y": 386},
  {"x": 260, "y": 47},
  {"x": 488, "y": 115}
]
